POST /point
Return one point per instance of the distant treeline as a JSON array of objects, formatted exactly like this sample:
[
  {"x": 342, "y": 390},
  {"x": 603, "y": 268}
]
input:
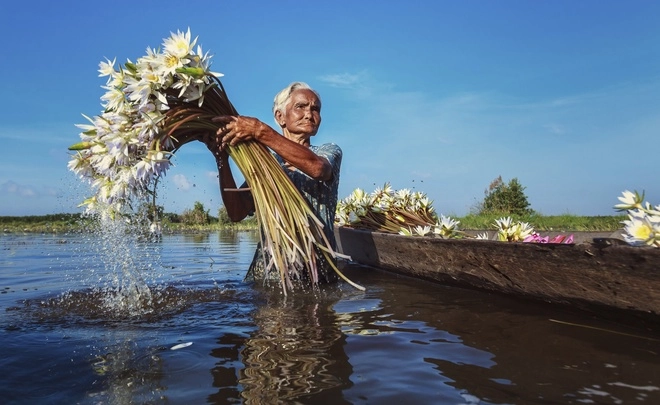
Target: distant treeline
[
  {"x": 65, "y": 222},
  {"x": 74, "y": 219},
  {"x": 32, "y": 219}
]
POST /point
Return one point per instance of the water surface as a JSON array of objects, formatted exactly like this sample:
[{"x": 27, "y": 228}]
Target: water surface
[{"x": 89, "y": 319}]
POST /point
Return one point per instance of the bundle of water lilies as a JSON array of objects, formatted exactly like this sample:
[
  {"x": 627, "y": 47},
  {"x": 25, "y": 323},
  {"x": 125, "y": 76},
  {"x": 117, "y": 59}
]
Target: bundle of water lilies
[
  {"x": 394, "y": 211},
  {"x": 642, "y": 228},
  {"x": 509, "y": 230},
  {"x": 162, "y": 101}
]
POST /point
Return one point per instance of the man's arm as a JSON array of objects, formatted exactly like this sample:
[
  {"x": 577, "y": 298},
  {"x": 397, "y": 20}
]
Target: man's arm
[
  {"x": 240, "y": 129},
  {"x": 238, "y": 202}
]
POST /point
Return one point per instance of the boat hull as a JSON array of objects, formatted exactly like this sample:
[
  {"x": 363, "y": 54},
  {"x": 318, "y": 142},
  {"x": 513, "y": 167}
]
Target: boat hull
[{"x": 584, "y": 274}]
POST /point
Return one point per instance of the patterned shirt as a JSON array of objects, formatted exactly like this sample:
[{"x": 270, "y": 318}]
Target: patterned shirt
[{"x": 321, "y": 195}]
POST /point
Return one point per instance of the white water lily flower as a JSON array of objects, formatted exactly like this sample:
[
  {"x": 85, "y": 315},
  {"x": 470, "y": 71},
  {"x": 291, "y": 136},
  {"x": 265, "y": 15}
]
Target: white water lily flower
[
  {"x": 148, "y": 127},
  {"x": 448, "y": 223},
  {"x": 358, "y": 195},
  {"x": 203, "y": 60},
  {"x": 483, "y": 236},
  {"x": 179, "y": 44},
  {"x": 379, "y": 192},
  {"x": 643, "y": 224},
  {"x": 154, "y": 164},
  {"x": 80, "y": 165},
  {"x": 446, "y": 227},
  {"x": 523, "y": 230},
  {"x": 114, "y": 99},
  {"x": 177, "y": 51},
  {"x": 402, "y": 198},
  {"x": 422, "y": 230},
  {"x": 107, "y": 68},
  {"x": 640, "y": 229},
  {"x": 361, "y": 210},
  {"x": 504, "y": 228},
  {"x": 503, "y": 223},
  {"x": 630, "y": 200},
  {"x": 193, "y": 92},
  {"x": 378, "y": 208},
  {"x": 654, "y": 211},
  {"x": 341, "y": 218},
  {"x": 138, "y": 91},
  {"x": 512, "y": 232},
  {"x": 106, "y": 163}
]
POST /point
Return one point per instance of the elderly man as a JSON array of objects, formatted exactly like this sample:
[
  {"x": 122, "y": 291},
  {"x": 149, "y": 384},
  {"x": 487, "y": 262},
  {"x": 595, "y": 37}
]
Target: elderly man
[{"x": 314, "y": 170}]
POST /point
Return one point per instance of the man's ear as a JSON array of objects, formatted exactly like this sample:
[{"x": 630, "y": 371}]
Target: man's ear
[{"x": 279, "y": 117}]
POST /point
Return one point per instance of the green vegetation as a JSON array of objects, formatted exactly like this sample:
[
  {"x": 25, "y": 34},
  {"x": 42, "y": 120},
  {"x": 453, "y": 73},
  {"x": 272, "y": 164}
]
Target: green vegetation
[
  {"x": 509, "y": 200},
  {"x": 504, "y": 199},
  {"x": 55, "y": 223},
  {"x": 173, "y": 223},
  {"x": 560, "y": 223},
  {"x": 197, "y": 216}
]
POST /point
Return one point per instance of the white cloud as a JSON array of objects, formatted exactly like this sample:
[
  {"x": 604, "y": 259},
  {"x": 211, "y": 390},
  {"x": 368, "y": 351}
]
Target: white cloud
[
  {"x": 13, "y": 188},
  {"x": 343, "y": 80},
  {"x": 181, "y": 182}
]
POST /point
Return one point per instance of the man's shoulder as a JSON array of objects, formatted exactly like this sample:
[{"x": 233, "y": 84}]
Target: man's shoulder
[{"x": 326, "y": 147}]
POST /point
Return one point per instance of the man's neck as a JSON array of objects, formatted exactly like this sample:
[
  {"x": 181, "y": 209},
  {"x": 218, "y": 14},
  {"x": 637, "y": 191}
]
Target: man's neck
[{"x": 297, "y": 138}]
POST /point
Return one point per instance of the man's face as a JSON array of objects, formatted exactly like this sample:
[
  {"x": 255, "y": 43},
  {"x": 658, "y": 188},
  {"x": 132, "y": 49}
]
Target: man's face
[{"x": 302, "y": 114}]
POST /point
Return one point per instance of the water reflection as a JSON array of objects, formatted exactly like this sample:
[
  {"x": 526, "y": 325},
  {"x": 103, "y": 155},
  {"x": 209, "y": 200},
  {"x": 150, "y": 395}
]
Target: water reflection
[
  {"x": 480, "y": 348},
  {"x": 126, "y": 374},
  {"x": 230, "y": 236},
  {"x": 197, "y": 238},
  {"x": 296, "y": 352}
]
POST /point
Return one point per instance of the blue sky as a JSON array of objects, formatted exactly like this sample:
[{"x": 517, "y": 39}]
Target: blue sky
[{"x": 437, "y": 96}]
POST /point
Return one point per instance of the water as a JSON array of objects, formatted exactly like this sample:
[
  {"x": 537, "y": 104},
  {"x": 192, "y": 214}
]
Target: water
[{"x": 70, "y": 335}]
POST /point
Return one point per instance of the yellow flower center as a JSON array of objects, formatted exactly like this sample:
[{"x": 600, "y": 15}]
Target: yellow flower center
[
  {"x": 643, "y": 232},
  {"x": 171, "y": 61}
]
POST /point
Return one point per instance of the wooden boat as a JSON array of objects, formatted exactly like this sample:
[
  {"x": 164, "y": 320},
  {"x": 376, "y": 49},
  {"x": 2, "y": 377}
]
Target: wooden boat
[{"x": 595, "y": 271}]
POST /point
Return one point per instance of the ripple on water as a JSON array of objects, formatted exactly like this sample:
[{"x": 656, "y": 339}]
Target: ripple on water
[{"x": 153, "y": 304}]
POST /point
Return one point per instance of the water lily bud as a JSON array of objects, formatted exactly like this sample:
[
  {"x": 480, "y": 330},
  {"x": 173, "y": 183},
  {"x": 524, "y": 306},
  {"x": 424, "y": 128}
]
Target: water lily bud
[
  {"x": 196, "y": 72},
  {"x": 81, "y": 146},
  {"x": 130, "y": 66}
]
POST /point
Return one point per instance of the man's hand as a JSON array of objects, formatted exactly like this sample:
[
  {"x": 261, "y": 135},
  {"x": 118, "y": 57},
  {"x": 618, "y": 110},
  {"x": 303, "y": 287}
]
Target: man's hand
[{"x": 235, "y": 129}]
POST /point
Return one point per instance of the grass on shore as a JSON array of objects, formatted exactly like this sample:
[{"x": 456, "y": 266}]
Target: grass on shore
[
  {"x": 560, "y": 223},
  {"x": 63, "y": 223}
]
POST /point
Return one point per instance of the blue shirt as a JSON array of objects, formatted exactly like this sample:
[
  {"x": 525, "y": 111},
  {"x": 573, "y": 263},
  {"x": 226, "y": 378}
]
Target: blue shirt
[{"x": 321, "y": 195}]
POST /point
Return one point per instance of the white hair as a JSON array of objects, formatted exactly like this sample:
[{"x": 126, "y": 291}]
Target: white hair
[{"x": 282, "y": 98}]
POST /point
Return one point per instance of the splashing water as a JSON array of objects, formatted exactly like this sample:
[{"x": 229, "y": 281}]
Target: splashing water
[{"x": 128, "y": 261}]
